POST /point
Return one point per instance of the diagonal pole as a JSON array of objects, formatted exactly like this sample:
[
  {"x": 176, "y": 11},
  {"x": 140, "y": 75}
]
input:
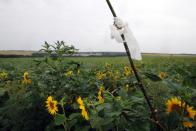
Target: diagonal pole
[{"x": 153, "y": 113}]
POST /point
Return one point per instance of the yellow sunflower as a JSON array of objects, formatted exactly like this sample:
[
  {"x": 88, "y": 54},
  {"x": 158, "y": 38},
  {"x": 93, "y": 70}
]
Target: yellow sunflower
[
  {"x": 191, "y": 112},
  {"x": 127, "y": 71},
  {"x": 68, "y": 73},
  {"x": 26, "y": 79},
  {"x": 81, "y": 103},
  {"x": 85, "y": 114},
  {"x": 162, "y": 75},
  {"x": 51, "y": 105},
  {"x": 174, "y": 104},
  {"x": 107, "y": 65},
  {"x": 100, "y": 94},
  {"x": 100, "y": 75},
  {"x": 3, "y": 75},
  {"x": 82, "y": 107},
  {"x": 187, "y": 124},
  {"x": 178, "y": 105}
]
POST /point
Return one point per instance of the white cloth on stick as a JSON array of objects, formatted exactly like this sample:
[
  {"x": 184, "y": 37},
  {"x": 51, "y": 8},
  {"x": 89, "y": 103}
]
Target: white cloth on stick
[{"x": 120, "y": 28}]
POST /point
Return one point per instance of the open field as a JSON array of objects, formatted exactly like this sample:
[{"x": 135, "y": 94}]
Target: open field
[
  {"x": 110, "y": 96},
  {"x": 16, "y": 52},
  {"x": 156, "y": 60}
]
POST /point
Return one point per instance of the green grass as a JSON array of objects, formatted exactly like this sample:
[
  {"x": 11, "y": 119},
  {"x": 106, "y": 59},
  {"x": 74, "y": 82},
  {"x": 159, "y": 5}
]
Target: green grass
[{"x": 88, "y": 61}]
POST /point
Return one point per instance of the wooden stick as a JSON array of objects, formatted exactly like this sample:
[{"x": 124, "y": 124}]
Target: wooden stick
[{"x": 153, "y": 113}]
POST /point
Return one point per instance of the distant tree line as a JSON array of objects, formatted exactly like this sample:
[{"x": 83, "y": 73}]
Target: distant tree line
[{"x": 78, "y": 54}]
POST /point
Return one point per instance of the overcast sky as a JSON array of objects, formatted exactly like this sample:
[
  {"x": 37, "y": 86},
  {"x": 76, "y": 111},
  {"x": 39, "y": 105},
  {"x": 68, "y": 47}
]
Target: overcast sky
[{"x": 160, "y": 26}]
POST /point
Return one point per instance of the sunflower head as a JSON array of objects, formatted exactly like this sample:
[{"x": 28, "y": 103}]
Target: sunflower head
[
  {"x": 51, "y": 105},
  {"x": 100, "y": 75},
  {"x": 174, "y": 104},
  {"x": 68, "y": 73},
  {"x": 190, "y": 112},
  {"x": 3, "y": 75},
  {"x": 100, "y": 94},
  {"x": 127, "y": 71},
  {"x": 84, "y": 113},
  {"x": 162, "y": 75},
  {"x": 187, "y": 124},
  {"x": 26, "y": 75},
  {"x": 107, "y": 65},
  {"x": 80, "y": 101},
  {"x": 26, "y": 79}
]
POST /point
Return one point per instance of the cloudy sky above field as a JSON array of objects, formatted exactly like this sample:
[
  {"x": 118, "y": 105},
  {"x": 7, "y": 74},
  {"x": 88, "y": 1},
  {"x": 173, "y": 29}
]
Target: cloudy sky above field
[{"x": 161, "y": 26}]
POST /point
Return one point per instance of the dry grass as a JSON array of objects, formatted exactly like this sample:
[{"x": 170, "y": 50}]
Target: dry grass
[{"x": 16, "y": 52}]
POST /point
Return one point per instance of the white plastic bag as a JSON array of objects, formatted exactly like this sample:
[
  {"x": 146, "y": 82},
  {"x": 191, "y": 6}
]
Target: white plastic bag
[{"x": 120, "y": 28}]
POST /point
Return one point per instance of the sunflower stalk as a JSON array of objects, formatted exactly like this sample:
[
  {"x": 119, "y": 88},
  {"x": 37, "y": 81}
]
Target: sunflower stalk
[
  {"x": 142, "y": 88},
  {"x": 65, "y": 125}
]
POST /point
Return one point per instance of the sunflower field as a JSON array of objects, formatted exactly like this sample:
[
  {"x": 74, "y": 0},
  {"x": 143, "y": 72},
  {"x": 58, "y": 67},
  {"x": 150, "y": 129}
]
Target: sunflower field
[{"x": 56, "y": 93}]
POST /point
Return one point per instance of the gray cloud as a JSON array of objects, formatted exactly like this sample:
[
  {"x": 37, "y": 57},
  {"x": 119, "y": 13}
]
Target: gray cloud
[{"x": 159, "y": 25}]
